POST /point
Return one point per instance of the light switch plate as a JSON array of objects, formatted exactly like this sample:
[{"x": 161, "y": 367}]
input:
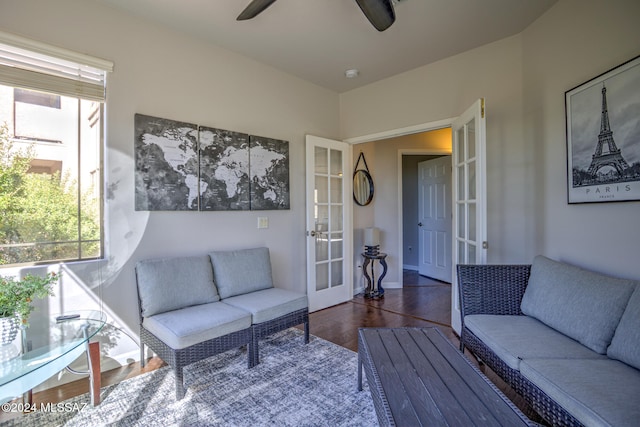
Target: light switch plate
[{"x": 263, "y": 222}]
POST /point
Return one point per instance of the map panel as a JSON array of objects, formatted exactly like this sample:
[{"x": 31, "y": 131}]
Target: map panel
[
  {"x": 269, "y": 172},
  {"x": 180, "y": 166},
  {"x": 166, "y": 164},
  {"x": 224, "y": 170}
]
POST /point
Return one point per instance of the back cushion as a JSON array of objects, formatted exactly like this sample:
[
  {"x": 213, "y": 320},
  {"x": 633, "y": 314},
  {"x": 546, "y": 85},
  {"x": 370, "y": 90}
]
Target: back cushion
[
  {"x": 626, "y": 340},
  {"x": 171, "y": 283},
  {"x": 581, "y": 304},
  {"x": 242, "y": 271}
]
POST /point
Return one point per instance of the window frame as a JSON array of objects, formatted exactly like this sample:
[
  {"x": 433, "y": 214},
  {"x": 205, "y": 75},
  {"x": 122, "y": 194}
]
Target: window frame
[{"x": 35, "y": 66}]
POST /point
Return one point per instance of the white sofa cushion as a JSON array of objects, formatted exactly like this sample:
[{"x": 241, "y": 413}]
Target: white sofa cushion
[
  {"x": 269, "y": 304},
  {"x": 514, "y": 338},
  {"x": 192, "y": 325},
  {"x": 625, "y": 345},
  {"x": 597, "y": 392},
  {"x": 581, "y": 304},
  {"x": 242, "y": 271},
  {"x": 167, "y": 284}
]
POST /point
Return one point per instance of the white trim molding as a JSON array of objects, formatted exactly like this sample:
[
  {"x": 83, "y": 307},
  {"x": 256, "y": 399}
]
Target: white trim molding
[{"x": 401, "y": 131}]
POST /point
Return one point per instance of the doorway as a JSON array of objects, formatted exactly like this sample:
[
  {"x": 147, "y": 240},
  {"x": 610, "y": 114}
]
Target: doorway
[
  {"x": 466, "y": 144},
  {"x": 410, "y": 209},
  {"x": 435, "y": 226},
  {"x": 425, "y": 237},
  {"x": 384, "y": 157}
]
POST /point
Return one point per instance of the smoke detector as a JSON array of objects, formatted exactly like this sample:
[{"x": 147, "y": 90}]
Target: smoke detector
[{"x": 352, "y": 73}]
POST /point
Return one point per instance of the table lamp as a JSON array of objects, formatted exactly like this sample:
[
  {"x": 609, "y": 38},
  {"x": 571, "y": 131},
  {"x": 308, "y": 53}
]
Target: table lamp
[{"x": 372, "y": 241}]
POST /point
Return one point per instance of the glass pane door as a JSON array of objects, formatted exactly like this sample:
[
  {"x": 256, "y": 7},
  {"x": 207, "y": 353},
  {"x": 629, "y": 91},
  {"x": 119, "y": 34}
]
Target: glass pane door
[
  {"x": 328, "y": 222},
  {"x": 469, "y": 195},
  {"x": 328, "y": 218},
  {"x": 466, "y": 235}
]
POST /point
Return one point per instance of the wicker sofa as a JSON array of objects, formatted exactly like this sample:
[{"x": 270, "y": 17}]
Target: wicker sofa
[
  {"x": 193, "y": 307},
  {"x": 564, "y": 338}
]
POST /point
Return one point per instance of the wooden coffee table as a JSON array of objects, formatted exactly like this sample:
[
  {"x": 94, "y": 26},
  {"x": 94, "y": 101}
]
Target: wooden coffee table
[{"x": 418, "y": 378}]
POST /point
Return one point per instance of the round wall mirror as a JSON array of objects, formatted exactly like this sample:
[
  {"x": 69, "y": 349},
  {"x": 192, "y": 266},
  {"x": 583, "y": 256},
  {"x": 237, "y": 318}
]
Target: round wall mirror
[{"x": 362, "y": 187}]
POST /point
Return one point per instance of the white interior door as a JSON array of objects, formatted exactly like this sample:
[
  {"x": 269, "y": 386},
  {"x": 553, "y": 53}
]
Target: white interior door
[
  {"x": 469, "y": 196},
  {"x": 329, "y": 225},
  {"x": 434, "y": 215}
]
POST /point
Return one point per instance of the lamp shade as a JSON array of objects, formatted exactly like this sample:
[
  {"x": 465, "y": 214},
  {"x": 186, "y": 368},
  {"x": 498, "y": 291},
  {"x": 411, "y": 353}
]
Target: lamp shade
[{"x": 372, "y": 236}]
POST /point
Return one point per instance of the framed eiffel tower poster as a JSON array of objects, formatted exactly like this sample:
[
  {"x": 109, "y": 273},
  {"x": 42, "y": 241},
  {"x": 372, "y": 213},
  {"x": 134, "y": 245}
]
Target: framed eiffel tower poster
[{"x": 603, "y": 136}]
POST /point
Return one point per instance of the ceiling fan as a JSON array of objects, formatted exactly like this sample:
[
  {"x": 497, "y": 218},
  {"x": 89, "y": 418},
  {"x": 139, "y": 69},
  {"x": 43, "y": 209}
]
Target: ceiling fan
[{"x": 379, "y": 12}]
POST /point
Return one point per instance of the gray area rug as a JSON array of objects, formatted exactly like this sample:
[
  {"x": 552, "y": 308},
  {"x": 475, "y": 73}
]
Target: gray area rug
[{"x": 294, "y": 385}]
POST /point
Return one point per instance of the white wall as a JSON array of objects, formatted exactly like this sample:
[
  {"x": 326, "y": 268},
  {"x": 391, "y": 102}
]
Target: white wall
[
  {"x": 523, "y": 79},
  {"x": 575, "y": 42},
  {"x": 443, "y": 90},
  {"x": 166, "y": 74}
]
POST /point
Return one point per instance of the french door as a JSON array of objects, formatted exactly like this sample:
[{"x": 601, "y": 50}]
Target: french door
[
  {"x": 329, "y": 226},
  {"x": 469, "y": 196}
]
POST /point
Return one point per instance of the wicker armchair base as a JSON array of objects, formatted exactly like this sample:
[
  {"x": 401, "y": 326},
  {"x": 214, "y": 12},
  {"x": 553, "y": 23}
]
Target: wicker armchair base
[
  {"x": 261, "y": 330},
  {"x": 179, "y": 358}
]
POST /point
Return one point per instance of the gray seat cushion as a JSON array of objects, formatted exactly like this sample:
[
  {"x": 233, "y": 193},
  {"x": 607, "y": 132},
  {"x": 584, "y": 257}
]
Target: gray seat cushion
[
  {"x": 597, "y": 392},
  {"x": 513, "y": 338},
  {"x": 171, "y": 283},
  {"x": 581, "y": 304},
  {"x": 625, "y": 345},
  {"x": 242, "y": 271},
  {"x": 269, "y": 304},
  {"x": 192, "y": 325}
]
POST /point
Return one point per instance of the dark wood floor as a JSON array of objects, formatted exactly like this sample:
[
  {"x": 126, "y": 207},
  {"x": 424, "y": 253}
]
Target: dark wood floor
[{"x": 422, "y": 302}]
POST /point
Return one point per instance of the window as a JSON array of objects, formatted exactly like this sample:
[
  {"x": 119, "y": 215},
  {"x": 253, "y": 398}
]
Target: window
[
  {"x": 51, "y": 137},
  {"x": 49, "y": 167}
]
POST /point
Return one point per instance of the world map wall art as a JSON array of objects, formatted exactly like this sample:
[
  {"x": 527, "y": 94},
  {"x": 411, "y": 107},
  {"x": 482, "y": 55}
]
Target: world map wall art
[{"x": 185, "y": 167}]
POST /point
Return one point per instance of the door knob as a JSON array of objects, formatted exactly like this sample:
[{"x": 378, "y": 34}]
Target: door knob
[{"x": 419, "y": 224}]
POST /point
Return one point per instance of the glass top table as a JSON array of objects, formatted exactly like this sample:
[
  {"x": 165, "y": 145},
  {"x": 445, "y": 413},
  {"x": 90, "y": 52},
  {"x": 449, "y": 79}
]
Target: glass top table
[{"x": 47, "y": 347}]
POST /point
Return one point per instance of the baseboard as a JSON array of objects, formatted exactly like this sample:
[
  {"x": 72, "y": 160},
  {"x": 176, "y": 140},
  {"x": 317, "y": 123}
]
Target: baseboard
[
  {"x": 391, "y": 285},
  {"x": 385, "y": 285},
  {"x": 128, "y": 357},
  {"x": 410, "y": 267}
]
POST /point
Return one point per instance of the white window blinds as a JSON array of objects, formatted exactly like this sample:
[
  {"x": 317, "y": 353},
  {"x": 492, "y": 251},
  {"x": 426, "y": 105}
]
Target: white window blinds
[{"x": 33, "y": 65}]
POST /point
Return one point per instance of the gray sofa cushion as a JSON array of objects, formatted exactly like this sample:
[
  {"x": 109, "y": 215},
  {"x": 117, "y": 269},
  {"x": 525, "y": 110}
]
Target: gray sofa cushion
[
  {"x": 242, "y": 271},
  {"x": 600, "y": 392},
  {"x": 581, "y": 304},
  {"x": 269, "y": 304},
  {"x": 171, "y": 283},
  {"x": 513, "y": 338},
  {"x": 192, "y": 325},
  {"x": 625, "y": 345}
]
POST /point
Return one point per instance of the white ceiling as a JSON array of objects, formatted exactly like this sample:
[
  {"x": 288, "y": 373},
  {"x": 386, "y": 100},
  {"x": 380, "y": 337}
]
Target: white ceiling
[{"x": 317, "y": 40}]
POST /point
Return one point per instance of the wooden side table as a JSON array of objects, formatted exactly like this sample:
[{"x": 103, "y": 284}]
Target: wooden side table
[{"x": 374, "y": 290}]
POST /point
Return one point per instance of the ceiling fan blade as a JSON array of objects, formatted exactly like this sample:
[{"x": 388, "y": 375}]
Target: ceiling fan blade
[
  {"x": 379, "y": 12},
  {"x": 254, "y": 9}
]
